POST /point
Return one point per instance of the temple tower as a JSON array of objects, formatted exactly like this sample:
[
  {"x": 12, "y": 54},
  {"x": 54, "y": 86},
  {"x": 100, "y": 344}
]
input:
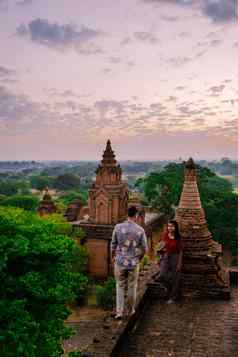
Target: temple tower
[
  {"x": 202, "y": 271},
  {"x": 46, "y": 205},
  {"x": 108, "y": 198},
  {"x": 191, "y": 216},
  {"x": 107, "y": 206}
]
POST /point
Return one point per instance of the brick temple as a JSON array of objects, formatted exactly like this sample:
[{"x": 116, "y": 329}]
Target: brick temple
[
  {"x": 202, "y": 272},
  {"x": 108, "y": 197},
  {"x": 107, "y": 205},
  {"x": 46, "y": 205}
]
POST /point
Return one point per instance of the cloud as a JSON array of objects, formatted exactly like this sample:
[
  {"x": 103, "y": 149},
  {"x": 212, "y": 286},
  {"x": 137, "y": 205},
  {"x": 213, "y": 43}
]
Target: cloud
[
  {"x": 188, "y": 111},
  {"x": 24, "y": 2},
  {"x": 200, "y": 54},
  {"x": 169, "y": 18},
  {"x": 3, "y": 4},
  {"x": 230, "y": 101},
  {"x": 20, "y": 114},
  {"x": 14, "y": 109},
  {"x": 215, "y": 43},
  {"x": 179, "y": 61},
  {"x": 180, "y": 2},
  {"x": 180, "y": 88},
  {"x": 121, "y": 119},
  {"x": 171, "y": 99},
  {"x": 221, "y": 10},
  {"x": 217, "y": 90},
  {"x": 130, "y": 64},
  {"x": 8, "y": 75},
  {"x": 114, "y": 60},
  {"x": 90, "y": 49},
  {"x": 125, "y": 41},
  {"x": 53, "y": 92},
  {"x": 184, "y": 35},
  {"x": 104, "y": 106},
  {"x": 118, "y": 61},
  {"x": 106, "y": 70},
  {"x": 4, "y": 71},
  {"x": 217, "y": 10},
  {"x": 199, "y": 121},
  {"x": 58, "y": 36},
  {"x": 146, "y": 37}
]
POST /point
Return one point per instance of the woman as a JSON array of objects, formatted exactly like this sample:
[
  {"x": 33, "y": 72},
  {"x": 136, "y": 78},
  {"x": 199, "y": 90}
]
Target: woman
[{"x": 171, "y": 252}]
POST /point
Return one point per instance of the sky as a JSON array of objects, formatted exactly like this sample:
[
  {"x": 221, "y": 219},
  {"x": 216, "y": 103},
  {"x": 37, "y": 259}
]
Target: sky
[{"x": 157, "y": 77}]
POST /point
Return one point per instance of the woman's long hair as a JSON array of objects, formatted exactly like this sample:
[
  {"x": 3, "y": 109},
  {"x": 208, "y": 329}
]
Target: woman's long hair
[{"x": 177, "y": 235}]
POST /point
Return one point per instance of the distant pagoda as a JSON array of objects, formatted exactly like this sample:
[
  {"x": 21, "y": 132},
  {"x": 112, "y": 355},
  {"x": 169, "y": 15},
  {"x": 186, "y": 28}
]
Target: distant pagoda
[
  {"x": 46, "y": 205},
  {"x": 202, "y": 271},
  {"x": 73, "y": 210},
  {"x": 108, "y": 198}
]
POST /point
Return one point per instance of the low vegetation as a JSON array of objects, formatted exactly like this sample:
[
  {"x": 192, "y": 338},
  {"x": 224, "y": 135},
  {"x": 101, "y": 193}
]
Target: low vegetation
[{"x": 106, "y": 293}]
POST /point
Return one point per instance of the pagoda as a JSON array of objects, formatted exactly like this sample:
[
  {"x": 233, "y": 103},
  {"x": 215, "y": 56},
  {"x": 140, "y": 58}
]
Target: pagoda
[
  {"x": 108, "y": 197},
  {"x": 202, "y": 272},
  {"x": 107, "y": 206},
  {"x": 46, "y": 205}
]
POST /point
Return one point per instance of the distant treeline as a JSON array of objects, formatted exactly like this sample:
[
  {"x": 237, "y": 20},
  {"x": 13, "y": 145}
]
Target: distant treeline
[{"x": 224, "y": 166}]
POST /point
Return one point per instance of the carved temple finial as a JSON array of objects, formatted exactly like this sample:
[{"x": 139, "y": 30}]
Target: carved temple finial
[
  {"x": 190, "y": 164},
  {"x": 108, "y": 198},
  {"x": 108, "y": 155}
]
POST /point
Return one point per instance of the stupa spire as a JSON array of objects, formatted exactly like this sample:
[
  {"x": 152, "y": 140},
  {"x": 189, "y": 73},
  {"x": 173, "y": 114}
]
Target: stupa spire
[
  {"x": 108, "y": 172},
  {"x": 190, "y": 215},
  {"x": 108, "y": 155},
  {"x": 200, "y": 259},
  {"x": 190, "y": 198}
]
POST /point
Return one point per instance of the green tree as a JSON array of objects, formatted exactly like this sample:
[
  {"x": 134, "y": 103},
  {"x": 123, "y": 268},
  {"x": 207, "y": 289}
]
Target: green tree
[
  {"x": 36, "y": 283},
  {"x": 162, "y": 188},
  {"x": 8, "y": 187},
  {"x": 28, "y": 202},
  {"x": 67, "y": 182},
  {"x": 40, "y": 182},
  {"x": 69, "y": 196}
]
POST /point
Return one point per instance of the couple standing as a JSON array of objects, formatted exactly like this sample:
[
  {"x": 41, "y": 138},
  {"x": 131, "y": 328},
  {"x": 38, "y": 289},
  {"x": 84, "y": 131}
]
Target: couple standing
[{"x": 128, "y": 246}]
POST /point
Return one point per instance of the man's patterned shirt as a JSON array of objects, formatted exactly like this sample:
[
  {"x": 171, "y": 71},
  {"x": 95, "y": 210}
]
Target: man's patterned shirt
[{"x": 129, "y": 243}]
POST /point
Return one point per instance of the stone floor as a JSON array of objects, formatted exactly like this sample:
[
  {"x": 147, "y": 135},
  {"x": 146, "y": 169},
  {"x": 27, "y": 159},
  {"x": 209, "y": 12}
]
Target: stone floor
[
  {"x": 202, "y": 328},
  {"x": 96, "y": 331}
]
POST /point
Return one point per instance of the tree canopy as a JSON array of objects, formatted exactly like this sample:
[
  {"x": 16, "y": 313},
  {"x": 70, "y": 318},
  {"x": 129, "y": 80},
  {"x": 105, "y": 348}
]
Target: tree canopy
[
  {"x": 40, "y": 182},
  {"x": 27, "y": 202},
  {"x": 67, "y": 182},
  {"x": 36, "y": 283}
]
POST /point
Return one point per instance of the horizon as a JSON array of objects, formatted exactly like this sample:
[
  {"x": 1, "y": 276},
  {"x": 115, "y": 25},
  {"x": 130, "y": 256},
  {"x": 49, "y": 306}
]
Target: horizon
[
  {"x": 158, "y": 77},
  {"x": 178, "y": 160}
]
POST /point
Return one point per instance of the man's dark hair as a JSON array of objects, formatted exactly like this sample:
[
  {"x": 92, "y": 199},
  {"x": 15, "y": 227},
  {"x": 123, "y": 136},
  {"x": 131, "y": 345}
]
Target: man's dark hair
[{"x": 132, "y": 211}]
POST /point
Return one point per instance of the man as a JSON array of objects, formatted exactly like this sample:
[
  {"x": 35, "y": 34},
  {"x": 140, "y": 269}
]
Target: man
[{"x": 128, "y": 247}]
